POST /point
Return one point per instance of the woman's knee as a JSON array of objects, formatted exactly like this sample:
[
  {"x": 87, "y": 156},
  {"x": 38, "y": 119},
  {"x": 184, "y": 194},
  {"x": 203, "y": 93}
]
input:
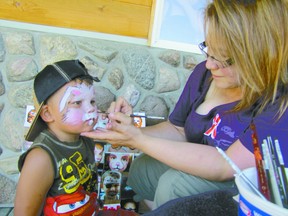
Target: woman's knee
[
  {"x": 166, "y": 189},
  {"x": 174, "y": 184},
  {"x": 144, "y": 175},
  {"x": 136, "y": 173}
]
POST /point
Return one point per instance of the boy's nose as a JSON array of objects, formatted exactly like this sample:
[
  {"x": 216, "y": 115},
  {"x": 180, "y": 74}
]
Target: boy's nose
[{"x": 91, "y": 108}]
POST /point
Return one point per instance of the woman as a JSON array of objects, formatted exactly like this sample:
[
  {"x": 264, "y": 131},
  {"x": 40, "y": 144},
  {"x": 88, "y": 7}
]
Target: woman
[{"x": 244, "y": 80}]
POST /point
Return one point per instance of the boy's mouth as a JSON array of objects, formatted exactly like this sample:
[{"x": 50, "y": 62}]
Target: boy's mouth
[{"x": 90, "y": 118}]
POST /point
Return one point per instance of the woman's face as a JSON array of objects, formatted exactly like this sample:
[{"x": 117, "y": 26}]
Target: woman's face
[
  {"x": 220, "y": 62},
  {"x": 225, "y": 78}
]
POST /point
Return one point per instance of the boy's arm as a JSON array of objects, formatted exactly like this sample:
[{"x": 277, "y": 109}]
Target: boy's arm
[{"x": 35, "y": 180}]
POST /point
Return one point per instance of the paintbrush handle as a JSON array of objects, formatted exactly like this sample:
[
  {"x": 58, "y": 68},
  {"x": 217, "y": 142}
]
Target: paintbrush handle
[
  {"x": 147, "y": 116},
  {"x": 240, "y": 173},
  {"x": 141, "y": 116}
]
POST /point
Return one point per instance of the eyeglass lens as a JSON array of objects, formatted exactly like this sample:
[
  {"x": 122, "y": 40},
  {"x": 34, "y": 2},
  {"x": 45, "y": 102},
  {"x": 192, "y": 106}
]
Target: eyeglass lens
[{"x": 219, "y": 63}]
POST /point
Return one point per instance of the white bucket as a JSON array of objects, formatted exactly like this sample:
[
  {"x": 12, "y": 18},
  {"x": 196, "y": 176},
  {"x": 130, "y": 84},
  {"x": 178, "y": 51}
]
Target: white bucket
[{"x": 250, "y": 203}]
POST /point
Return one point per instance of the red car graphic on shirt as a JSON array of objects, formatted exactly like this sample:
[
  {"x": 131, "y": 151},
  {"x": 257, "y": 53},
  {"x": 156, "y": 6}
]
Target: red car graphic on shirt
[{"x": 79, "y": 203}]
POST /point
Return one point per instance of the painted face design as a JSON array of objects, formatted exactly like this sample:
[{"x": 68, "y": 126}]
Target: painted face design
[
  {"x": 31, "y": 115},
  {"x": 118, "y": 161},
  {"x": 112, "y": 191},
  {"x": 98, "y": 152},
  {"x": 78, "y": 105},
  {"x": 137, "y": 121}
]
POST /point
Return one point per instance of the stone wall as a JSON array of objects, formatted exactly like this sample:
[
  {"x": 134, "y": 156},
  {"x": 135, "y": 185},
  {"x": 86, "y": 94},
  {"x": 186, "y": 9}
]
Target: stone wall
[{"x": 151, "y": 79}]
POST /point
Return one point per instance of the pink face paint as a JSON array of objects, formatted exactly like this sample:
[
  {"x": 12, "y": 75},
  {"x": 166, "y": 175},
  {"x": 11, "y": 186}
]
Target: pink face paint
[{"x": 76, "y": 105}]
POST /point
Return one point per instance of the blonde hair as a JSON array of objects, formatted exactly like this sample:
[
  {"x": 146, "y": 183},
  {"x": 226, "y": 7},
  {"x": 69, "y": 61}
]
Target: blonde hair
[{"x": 254, "y": 34}]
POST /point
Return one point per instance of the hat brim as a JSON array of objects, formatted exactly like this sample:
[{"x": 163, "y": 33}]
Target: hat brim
[{"x": 37, "y": 126}]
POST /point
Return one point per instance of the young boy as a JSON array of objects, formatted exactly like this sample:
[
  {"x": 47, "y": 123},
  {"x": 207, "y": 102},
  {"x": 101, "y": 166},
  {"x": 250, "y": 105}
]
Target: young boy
[{"x": 58, "y": 172}]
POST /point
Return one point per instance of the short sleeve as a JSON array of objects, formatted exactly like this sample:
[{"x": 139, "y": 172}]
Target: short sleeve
[
  {"x": 190, "y": 94},
  {"x": 267, "y": 125}
]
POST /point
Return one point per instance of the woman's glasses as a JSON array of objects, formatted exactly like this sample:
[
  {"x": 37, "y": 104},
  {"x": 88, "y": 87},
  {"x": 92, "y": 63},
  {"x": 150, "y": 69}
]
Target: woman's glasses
[{"x": 221, "y": 64}]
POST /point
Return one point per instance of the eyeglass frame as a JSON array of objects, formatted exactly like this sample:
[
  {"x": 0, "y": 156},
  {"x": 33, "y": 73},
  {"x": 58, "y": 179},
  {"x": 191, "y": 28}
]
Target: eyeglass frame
[{"x": 223, "y": 64}]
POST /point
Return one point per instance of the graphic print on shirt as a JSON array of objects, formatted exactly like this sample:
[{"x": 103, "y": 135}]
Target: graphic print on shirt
[
  {"x": 222, "y": 135},
  {"x": 228, "y": 131},
  {"x": 80, "y": 202},
  {"x": 212, "y": 131},
  {"x": 73, "y": 172}
]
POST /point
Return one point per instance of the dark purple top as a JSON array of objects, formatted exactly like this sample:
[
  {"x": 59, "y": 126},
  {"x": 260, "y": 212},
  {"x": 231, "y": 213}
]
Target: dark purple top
[{"x": 220, "y": 127}]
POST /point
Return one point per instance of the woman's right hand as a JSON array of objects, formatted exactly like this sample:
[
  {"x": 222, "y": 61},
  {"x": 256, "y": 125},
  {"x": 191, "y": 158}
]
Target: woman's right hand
[
  {"x": 120, "y": 105},
  {"x": 118, "y": 132}
]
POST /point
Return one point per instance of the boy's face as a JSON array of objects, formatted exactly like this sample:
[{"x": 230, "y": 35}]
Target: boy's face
[{"x": 73, "y": 107}]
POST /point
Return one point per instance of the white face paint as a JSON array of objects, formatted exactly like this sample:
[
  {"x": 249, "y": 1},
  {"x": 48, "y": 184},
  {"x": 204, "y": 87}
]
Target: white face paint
[
  {"x": 66, "y": 96},
  {"x": 78, "y": 104},
  {"x": 89, "y": 117},
  {"x": 118, "y": 161}
]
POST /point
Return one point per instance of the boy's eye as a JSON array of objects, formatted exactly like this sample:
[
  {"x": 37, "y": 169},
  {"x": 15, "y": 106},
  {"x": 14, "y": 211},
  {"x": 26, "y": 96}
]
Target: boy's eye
[{"x": 76, "y": 102}]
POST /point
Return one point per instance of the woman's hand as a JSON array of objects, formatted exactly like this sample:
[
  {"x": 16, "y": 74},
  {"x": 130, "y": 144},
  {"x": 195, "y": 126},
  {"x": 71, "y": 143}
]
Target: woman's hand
[
  {"x": 119, "y": 131},
  {"x": 120, "y": 105}
]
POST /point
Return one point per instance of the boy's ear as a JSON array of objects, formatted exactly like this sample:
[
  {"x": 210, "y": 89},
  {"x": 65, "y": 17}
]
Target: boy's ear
[{"x": 45, "y": 114}]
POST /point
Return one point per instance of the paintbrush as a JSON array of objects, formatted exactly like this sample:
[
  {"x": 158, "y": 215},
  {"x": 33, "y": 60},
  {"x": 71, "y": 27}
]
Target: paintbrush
[
  {"x": 240, "y": 173},
  {"x": 139, "y": 115}
]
